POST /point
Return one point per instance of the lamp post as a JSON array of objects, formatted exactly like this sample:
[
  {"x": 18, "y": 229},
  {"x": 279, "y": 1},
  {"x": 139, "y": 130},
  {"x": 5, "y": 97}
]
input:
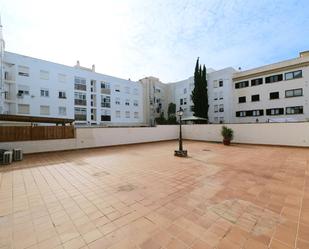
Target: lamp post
[{"x": 180, "y": 152}]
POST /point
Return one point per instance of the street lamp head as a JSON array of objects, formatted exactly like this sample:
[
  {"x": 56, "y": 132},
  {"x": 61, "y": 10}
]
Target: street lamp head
[{"x": 180, "y": 112}]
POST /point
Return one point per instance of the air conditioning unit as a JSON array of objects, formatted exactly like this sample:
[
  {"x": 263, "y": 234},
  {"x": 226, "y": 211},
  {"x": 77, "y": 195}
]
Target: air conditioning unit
[
  {"x": 6, "y": 157},
  {"x": 17, "y": 154}
]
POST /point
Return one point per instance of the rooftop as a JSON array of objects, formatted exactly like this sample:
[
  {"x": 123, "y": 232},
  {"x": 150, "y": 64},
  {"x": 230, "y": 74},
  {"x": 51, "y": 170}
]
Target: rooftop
[{"x": 142, "y": 197}]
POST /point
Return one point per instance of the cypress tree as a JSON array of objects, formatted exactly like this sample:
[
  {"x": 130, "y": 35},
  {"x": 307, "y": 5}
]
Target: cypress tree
[{"x": 199, "y": 93}]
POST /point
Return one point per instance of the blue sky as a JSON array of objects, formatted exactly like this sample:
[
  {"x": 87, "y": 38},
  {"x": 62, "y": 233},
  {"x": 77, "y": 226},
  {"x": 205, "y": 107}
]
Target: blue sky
[{"x": 162, "y": 38}]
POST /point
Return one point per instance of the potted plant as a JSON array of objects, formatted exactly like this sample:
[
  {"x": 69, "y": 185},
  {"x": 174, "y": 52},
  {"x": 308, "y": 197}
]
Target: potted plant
[{"x": 227, "y": 134}]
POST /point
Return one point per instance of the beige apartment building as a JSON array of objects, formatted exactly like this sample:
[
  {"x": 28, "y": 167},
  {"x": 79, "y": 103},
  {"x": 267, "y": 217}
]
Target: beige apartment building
[{"x": 273, "y": 93}]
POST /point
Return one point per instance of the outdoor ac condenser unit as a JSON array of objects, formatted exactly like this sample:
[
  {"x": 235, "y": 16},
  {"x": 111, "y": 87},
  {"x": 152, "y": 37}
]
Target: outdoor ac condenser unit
[
  {"x": 6, "y": 157},
  {"x": 17, "y": 154}
]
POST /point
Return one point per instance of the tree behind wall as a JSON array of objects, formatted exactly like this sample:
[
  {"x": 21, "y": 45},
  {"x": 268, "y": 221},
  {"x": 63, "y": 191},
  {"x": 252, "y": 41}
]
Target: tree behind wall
[
  {"x": 171, "y": 114},
  {"x": 199, "y": 93}
]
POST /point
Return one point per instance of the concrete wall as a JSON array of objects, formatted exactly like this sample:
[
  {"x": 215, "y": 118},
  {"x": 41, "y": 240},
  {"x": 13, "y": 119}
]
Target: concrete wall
[
  {"x": 97, "y": 137},
  {"x": 288, "y": 134}
]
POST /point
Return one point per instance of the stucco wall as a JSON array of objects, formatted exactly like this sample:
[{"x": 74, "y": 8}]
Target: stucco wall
[
  {"x": 289, "y": 134},
  {"x": 97, "y": 137}
]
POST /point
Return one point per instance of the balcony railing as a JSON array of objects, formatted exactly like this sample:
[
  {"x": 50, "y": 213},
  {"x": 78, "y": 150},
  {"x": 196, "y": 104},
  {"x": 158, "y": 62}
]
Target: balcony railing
[
  {"x": 80, "y": 102},
  {"x": 106, "y": 105},
  {"x": 80, "y": 87},
  {"x": 106, "y": 90},
  {"x": 80, "y": 117}
]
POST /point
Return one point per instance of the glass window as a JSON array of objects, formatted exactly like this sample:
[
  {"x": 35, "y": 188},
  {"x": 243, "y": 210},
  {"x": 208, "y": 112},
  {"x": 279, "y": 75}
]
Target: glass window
[
  {"x": 294, "y": 110},
  {"x": 255, "y": 97},
  {"x": 62, "y": 110},
  {"x": 105, "y": 101},
  {"x": 293, "y": 75},
  {"x": 294, "y": 93},
  {"x": 242, "y": 99},
  {"x": 44, "y": 93},
  {"x": 274, "y": 78},
  {"x": 274, "y": 95},
  {"x": 44, "y": 75},
  {"x": 44, "y": 110},
  {"x": 23, "y": 71}
]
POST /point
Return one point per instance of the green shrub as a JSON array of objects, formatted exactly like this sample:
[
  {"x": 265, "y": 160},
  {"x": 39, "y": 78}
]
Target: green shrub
[{"x": 227, "y": 133}]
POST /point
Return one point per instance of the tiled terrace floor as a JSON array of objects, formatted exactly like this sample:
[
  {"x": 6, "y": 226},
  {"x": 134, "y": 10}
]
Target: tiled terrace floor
[{"x": 141, "y": 196}]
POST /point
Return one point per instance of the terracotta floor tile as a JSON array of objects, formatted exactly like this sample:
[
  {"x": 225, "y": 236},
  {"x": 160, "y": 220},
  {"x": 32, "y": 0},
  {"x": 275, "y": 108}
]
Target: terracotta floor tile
[{"x": 137, "y": 196}]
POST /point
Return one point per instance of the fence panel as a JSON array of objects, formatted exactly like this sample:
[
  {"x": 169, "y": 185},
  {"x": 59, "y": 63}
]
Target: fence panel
[{"x": 23, "y": 133}]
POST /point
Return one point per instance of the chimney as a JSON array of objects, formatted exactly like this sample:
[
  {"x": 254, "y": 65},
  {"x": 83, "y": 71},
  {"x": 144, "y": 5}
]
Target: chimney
[
  {"x": 304, "y": 54},
  {"x": 93, "y": 68},
  {"x": 77, "y": 64}
]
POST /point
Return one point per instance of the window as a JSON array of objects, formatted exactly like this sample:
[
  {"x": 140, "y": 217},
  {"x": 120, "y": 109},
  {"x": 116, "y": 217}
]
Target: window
[
  {"x": 220, "y": 95},
  {"x": 215, "y": 96},
  {"x": 241, "y": 114},
  {"x": 242, "y": 84},
  {"x": 23, "y": 90},
  {"x": 157, "y": 90},
  {"x": 242, "y": 99},
  {"x": 44, "y": 75},
  {"x": 221, "y": 108},
  {"x": 256, "y": 82},
  {"x": 274, "y": 95},
  {"x": 62, "y": 95},
  {"x": 135, "y": 114},
  {"x": 127, "y": 114},
  {"x": 105, "y": 85},
  {"x": 62, "y": 77},
  {"x": 215, "y": 108},
  {"x": 215, "y": 84},
  {"x": 181, "y": 101},
  {"x": 135, "y": 102},
  {"x": 62, "y": 111},
  {"x": 127, "y": 90},
  {"x": 44, "y": 93},
  {"x": 191, "y": 108},
  {"x": 44, "y": 110},
  {"x": 185, "y": 90},
  {"x": 80, "y": 98},
  {"x": 293, "y": 75},
  {"x": 220, "y": 83},
  {"x": 117, "y": 88},
  {"x": 185, "y": 101},
  {"x": 274, "y": 78},
  {"x": 80, "y": 114},
  {"x": 80, "y": 84},
  {"x": 105, "y": 101},
  {"x": 105, "y": 115},
  {"x": 191, "y": 86},
  {"x": 251, "y": 113},
  {"x": 23, "y": 71},
  {"x": 216, "y": 119},
  {"x": 221, "y": 120},
  {"x": 275, "y": 111},
  {"x": 127, "y": 102},
  {"x": 118, "y": 114},
  {"x": 294, "y": 93},
  {"x": 23, "y": 109},
  {"x": 117, "y": 101},
  {"x": 255, "y": 98},
  {"x": 294, "y": 110}
]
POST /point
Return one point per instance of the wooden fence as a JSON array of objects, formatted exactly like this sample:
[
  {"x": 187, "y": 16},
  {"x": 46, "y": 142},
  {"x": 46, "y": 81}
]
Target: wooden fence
[{"x": 23, "y": 133}]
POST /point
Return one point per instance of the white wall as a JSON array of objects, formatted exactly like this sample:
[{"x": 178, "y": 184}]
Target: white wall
[
  {"x": 289, "y": 134},
  {"x": 98, "y": 137}
]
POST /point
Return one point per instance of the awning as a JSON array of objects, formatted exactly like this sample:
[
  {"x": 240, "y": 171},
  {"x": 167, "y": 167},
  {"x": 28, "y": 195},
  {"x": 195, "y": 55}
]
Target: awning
[{"x": 34, "y": 119}]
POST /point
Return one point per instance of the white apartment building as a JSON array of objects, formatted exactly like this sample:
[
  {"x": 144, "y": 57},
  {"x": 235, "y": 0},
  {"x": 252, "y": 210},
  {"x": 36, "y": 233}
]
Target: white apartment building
[
  {"x": 29, "y": 86},
  {"x": 274, "y": 93},
  {"x": 35, "y": 87}
]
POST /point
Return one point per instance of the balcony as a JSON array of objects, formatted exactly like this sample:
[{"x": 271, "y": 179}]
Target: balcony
[
  {"x": 80, "y": 117},
  {"x": 105, "y": 90},
  {"x": 80, "y": 102},
  {"x": 80, "y": 87}
]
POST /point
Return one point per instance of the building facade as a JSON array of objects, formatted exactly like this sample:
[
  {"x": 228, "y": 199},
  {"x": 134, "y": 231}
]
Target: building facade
[
  {"x": 29, "y": 86},
  {"x": 274, "y": 93}
]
